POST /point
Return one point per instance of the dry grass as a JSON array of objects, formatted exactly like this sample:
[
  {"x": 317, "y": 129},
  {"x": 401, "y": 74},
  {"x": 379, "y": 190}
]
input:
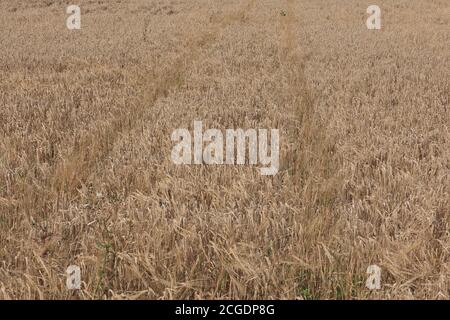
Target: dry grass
[{"x": 85, "y": 170}]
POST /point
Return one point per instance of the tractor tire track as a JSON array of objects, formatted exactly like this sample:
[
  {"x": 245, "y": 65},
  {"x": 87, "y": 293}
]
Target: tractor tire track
[
  {"x": 94, "y": 146},
  {"x": 84, "y": 164},
  {"x": 311, "y": 159},
  {"x": 297, "y": 95}
]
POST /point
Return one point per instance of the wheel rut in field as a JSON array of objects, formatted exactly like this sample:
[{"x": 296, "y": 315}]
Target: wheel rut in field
[
  {"x": 298, "y": 97},
  {"x": 96, "y": 144},
  {"x": 310, "y": 158}
]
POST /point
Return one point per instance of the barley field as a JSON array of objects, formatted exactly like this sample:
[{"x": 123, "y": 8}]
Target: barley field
[{"x": 86, "y": 176}]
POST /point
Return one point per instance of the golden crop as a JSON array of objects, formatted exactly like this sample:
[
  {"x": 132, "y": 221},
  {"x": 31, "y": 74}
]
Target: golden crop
[{"x": 86, "y": 177}]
